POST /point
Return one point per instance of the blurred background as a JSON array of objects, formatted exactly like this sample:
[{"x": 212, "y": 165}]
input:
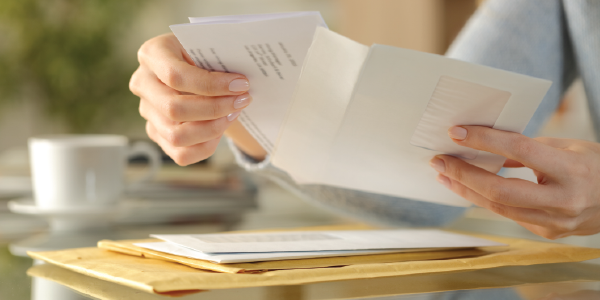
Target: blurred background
[
  {"x": 65, "y": 64},
  {"x": 65, "y": 67}
]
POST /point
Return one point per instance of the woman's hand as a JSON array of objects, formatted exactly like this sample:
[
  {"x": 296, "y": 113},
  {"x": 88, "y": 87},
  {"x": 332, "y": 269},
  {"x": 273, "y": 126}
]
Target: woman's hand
[
  {"x": 187, "y": 108},
  {"x": 564, "y": 202}
]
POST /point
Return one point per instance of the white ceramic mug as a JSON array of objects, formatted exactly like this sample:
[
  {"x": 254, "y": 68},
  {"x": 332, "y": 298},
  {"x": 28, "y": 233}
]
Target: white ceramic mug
[{"x": 84, "y": 170}]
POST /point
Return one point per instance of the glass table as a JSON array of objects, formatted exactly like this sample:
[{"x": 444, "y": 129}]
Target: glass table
[{"x": 551, "y": 281}]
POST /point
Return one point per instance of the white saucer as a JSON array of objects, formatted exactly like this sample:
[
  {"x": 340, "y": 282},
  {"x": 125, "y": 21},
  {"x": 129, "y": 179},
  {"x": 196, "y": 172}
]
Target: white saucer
[{"x": 27, "y": 206}]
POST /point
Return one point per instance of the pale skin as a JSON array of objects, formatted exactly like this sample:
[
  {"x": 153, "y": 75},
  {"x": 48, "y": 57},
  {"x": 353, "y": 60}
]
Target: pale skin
[
  {"x": 566, "y": 198},
  {"x": 188, "y": 110}
]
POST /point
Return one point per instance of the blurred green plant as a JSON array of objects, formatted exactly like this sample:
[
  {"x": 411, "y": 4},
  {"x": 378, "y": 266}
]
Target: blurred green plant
[
  {"x": 67, "y": 52},
  {"x": 14, "y": 282}
]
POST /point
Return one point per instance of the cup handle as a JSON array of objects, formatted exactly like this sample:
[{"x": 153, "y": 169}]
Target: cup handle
[{"x": 148, "y": 150}]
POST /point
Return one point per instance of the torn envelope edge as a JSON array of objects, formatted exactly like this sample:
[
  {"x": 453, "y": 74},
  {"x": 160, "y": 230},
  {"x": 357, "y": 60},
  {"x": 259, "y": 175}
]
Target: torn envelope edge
[{"x": 128, "y": 247}]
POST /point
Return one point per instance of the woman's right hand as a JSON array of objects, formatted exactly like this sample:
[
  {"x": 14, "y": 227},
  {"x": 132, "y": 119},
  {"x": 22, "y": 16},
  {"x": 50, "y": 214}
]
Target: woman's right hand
[{"x": 187, "y": 108}]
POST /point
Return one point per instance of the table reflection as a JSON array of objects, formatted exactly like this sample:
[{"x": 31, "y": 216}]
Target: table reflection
[{"x": 553, "y": 281}]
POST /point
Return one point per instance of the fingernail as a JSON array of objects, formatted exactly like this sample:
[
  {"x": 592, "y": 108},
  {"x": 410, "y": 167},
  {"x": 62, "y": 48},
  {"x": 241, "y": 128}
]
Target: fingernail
[
  {"x": 457, "y": 133},
  {"x": 239, "y": 85},
  {"x": 445, "y": 181},
  {"x": 242, "y": 101},
  {"x": 233, "y": 116},
  {"x": 438, "y": 165}
]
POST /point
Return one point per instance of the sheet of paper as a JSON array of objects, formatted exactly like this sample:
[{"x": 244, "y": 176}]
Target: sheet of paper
[
  {"x": 393, "y": 92},
  {"x": 175, "y": 249},
  {"x": 268, "y": 49},
  {"x": 325, "y": 241},
  {"x": 370, "y": 149},
  {"x": 329, "y": 73},
  {"x": 457, "y": 102}
]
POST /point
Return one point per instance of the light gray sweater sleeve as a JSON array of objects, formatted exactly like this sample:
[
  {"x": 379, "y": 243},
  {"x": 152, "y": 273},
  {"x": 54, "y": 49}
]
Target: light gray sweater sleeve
[{"x": 368, "y": 207}]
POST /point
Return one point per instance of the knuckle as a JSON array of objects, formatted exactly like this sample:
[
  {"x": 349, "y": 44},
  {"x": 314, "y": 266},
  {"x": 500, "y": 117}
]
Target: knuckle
[
  {"x": 213, "y": 110},
  {"x": 499, "y": 193},
  {"x": 134, "y": 83},
  {"x": 573, "y": 208},
  {"x": 456, "y": 173},
  {"x": 209, "y": 83},
  {"x": 522, "y": 146},
  {"x": 204, "y": 155},
  {"x": 214, "y": 129},
  {"x": 480, "y": 136},
  {"x": 207, "y": 150},
  {"x": 181, "y": 157},
  {"x": 143, "y": 51},
  {"x": 146, "y": 49},
  {"x": 564, "y": 226},
  {"x": 173, "y": 110},
  {"x": 498, "y": 208},
  {"x": 580, "y": 170},
  {"x": 172, "y": 77},
  {"x": 174, "y": 136},
  {"x": 141, "y": 110},
  {"x": 149, "y": 131},
  {"x": 551, "y": 235}
]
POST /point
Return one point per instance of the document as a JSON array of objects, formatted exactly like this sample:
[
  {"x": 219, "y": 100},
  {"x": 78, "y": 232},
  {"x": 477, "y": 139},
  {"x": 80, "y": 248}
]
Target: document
[
  {"x": 399, "y": 239},
  {"x": 332, "y": 111},
  {"x": 178, "y": 250},
  {"x": 268, "y": 48}
]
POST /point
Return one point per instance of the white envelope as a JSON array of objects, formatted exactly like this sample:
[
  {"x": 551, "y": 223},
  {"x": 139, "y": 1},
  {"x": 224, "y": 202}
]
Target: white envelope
[
  {"x": 357, "y": 109},
  {"x": 178, "y": 250},
  {"x": 403, "y": 239}
]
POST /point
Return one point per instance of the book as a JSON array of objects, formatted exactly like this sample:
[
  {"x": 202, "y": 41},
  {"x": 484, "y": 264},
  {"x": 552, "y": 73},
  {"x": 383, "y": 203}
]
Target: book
[{"x": 332, "y": 111}]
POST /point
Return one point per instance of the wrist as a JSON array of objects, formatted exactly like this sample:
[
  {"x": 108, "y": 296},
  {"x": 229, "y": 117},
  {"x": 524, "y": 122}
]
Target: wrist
[{"x": 245, "y": 142}]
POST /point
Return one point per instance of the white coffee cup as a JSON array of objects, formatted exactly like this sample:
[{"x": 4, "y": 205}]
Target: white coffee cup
[{"x": 84, "y": 170}]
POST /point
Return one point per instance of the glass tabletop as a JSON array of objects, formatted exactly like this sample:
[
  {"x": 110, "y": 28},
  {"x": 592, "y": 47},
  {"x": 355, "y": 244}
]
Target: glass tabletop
[
  {"x": 549, "y": 281},
  {"x": 21, "y": 278}
]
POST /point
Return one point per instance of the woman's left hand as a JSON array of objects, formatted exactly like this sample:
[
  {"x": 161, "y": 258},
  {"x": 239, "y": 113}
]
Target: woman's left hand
[{"x": 564, "y": 202}]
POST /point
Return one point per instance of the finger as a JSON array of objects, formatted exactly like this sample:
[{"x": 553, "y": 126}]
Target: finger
[
  {"x": 185, "y": 107},
  {"x": 183, "y": 156},
  {"x": 546, "y": 232},
  {"x": 515, "y": 146},
  {"x": 529, "y": 215},
  {"x": 165, "y": 59},
  {"x": 509, "y": 163},
  {"x": 554, "y": 142},
  {"x": 508, "y": 191},
  {"x": 183, "y": 134}
]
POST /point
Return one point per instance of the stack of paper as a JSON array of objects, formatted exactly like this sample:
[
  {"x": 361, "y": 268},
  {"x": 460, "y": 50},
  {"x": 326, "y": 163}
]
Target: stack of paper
[
  {"x": 251, "y": 247},
  {"x": 332, "y": 111}
]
